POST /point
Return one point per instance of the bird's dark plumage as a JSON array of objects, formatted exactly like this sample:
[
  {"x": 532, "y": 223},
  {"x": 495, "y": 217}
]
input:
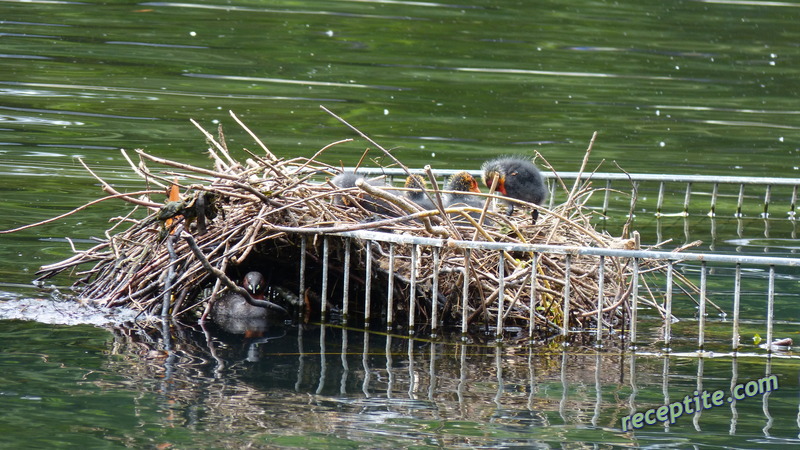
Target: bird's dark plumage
[
  {"x": 463, "y": 182},
  {"x": 417, "y": 194},
  {"x": 517, "y": 177},
  {"x": 233, "y": 313},
  {"x": 368, "y": 202}
]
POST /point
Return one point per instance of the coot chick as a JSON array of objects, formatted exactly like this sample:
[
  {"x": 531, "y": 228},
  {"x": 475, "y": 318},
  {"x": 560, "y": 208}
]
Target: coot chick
[
  {"x": 376, "y": 205},
  {"x": 235, "y": 315},
  {"x": 417, "y": 194},
  {"x": 517, "y": 177},
  {"x": 463, "y": 182}
]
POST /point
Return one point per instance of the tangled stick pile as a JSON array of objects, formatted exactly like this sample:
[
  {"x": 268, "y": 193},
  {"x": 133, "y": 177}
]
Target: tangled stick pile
[{"x": 263, "y": 213}]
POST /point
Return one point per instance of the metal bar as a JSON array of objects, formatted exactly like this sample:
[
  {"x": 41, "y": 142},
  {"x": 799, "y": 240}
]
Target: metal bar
[
  {"x": 412, "y": 295},
  {"x": 465, "y": 293},
  {"x": 568, "y": 175},
  {"x": 702, "y": 312},
  {"x": 565, "y": 312},
  {"x": 635, "y": 298},
  {"x": 668, "y": 307},
  {"x": 737, "y": 291},
  {"x": 301, "y": 294},
  {"x": 770, "y": 306},
  {"x": 532, "y": 304},
  {"x": 501, "y": 290},
  {"x": 740, "y": 200},
  {"x": 600, "y": 298},
  {"x": 323, "y": 365},
  {"x": 605, "y": 197},
  {"x": 346, "y": 282},
  {"x": 435, "y": 292},
  {"x": 432, "y": 373},
  {"x": 573, "y": 250},
  {"x": 323, "y": 303},
  {"x": 368, "y": 284},
  {"x": 793, "y": 204},
  {"x": 660, "y": 201},
  {"x": 345, "y": 365},
  {"x": 687, "y": 198},
  {"x": 390, "y": 294},
  {"x": 714, "y": 194},
  {"x": 365, "y": 365}
]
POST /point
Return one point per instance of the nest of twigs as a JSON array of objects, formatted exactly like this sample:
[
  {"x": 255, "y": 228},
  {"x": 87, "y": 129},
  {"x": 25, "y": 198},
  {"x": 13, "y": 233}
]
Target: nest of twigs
[{"x": 279, "y": 215}]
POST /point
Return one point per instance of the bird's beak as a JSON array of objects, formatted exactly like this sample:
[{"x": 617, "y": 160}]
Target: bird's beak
[
  {"x": 489, "y": 179},
  {"x": 474, "y": 187},
  {"x": 501, "y": 185}
]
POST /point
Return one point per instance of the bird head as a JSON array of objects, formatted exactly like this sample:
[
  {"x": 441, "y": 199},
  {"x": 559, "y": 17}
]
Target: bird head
[
  {"x": 254, "y": 283},
  {"x": 415, "y": 181},
  {"x": 489, "y": 178},
  {"x": 463, "y": 181}
]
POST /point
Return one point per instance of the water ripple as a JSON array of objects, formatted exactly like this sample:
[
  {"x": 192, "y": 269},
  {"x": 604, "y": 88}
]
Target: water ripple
[
  {"x": 45, "y": 2},
  {"x": 277, "y": 11},
  {"x": 741, "y": 123},
  {"x": 150, "y": 44},
  {"x": 74, "y": 113},
  {"x": 36, "y": 24},
  {"x": 158, "y": 93},
  {"x": 716, "y": 109},
  {"x": 10, "y": 56},
  {"x": 749, "y": 3},
  {"x": 569, "y": 74},
  {"x": 288, "y": 81}
]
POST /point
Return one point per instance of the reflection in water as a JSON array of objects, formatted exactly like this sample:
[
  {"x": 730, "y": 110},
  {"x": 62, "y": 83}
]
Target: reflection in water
[{"x": 316, "y": 383}]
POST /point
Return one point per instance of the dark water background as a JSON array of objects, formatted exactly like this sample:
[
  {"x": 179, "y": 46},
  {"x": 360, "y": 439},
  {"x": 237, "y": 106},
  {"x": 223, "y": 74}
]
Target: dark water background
[{"x": 687, "y": 87}]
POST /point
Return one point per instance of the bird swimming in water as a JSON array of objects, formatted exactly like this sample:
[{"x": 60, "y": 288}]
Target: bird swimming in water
[
  {"x": 417, "y": 193},
  {"x": 517, "y": 177},
  {"x": 233, "y": 313},
  {"x": 376, "y": 205}
]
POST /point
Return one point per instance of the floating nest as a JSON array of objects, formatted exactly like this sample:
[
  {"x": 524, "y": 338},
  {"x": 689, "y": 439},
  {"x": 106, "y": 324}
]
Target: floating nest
[{"x": 314, "y": 242}]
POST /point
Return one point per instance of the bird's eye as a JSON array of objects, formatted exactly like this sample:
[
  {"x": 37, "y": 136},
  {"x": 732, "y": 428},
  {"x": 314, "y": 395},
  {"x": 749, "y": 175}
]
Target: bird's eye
[{"x": 514, "y": 174}]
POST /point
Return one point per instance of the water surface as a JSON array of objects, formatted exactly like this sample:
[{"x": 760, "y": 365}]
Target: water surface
[{"x": 688, "y": 87}]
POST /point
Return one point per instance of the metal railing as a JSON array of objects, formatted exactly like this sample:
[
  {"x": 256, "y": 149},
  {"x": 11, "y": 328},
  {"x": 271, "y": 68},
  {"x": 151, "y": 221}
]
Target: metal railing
[
  {"x": 731, "y": 269},
  {"x": 674, "y": 194}
]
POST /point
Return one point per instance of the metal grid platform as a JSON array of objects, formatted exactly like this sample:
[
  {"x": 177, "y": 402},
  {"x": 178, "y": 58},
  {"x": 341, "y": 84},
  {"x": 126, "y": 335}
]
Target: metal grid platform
[{"x": 724, "y": 280}]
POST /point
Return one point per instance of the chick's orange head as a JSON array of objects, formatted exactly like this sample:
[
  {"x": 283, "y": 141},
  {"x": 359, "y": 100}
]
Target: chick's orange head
[{"x": 473, "y": 185}]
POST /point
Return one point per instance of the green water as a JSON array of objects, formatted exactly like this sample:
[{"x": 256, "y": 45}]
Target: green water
[{"x": 688, "y": 87}]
